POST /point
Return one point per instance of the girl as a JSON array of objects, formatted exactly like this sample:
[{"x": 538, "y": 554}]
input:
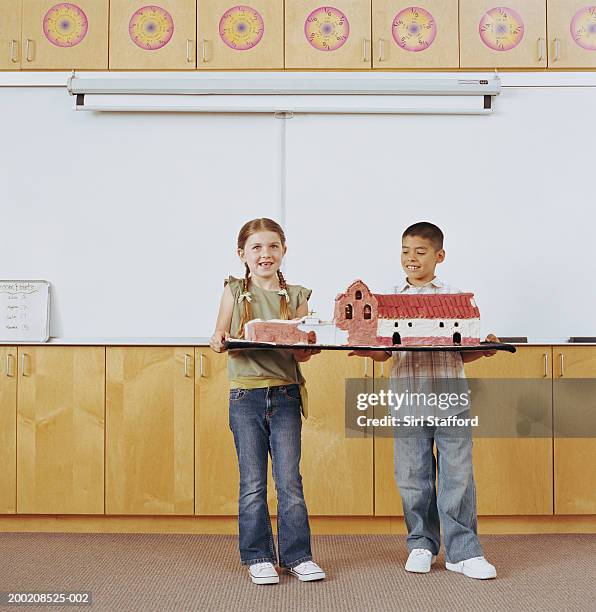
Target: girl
[{"x": 266, "y": 394}]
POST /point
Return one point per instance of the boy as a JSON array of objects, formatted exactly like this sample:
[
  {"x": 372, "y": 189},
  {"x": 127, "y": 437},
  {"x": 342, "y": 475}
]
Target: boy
[{"x": 455, "y": 504}]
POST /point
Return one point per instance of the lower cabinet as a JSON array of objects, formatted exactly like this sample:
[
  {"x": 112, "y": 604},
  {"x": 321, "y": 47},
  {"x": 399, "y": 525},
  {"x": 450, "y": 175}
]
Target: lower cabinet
[
  {"x": 60, "y": 430},
  {"x": 8, "y": 429},
  {"x": 149, "y": 430}
]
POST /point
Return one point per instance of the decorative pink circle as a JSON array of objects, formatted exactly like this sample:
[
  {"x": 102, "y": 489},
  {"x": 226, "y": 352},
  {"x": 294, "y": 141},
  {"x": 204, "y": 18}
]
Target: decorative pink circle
[
  {"x": 501, "y": 28},
  {"x": 326, "y": 28},
  {"x": 241, "y": 28},
  {"x": 151, "y": 27},
  {"x": 583, "y": 28},
  {"x": 65, "y": 25},
  {"x": 414, "y": 29}
]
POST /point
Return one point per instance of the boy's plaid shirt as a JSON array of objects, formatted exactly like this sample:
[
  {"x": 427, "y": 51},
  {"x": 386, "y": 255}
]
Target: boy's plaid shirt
[{"x": 432, "y": 371}]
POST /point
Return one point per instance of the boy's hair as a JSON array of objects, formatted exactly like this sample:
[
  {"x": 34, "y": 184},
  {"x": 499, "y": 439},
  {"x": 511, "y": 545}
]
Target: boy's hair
[
  {"x": 426, "y": 230},
  {"x": 249, "y": 228}
]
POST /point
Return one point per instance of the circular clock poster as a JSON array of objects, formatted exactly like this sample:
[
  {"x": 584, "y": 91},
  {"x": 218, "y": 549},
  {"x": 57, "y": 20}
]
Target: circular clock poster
[
  {"x": 326, "y": 28},
  {"x": 65, "y": 25},
  {"x": 583, "y": 28},
  {"x": 501, "y": 29},
  {"x": 151, "y": 28},
  {"x": 414, "y": 29},
  {"x": 241, "y": 28}
]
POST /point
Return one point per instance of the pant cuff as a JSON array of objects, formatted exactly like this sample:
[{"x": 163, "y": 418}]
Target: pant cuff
[
  {"x": 295, "y": 563},
  {"x": 259, "y": 560}
]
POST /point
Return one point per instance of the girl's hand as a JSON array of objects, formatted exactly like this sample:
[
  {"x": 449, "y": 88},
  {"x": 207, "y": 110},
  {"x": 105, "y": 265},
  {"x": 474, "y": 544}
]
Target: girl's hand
[
  {"x": 374, "y": 355},
  {"x": 490, "y": 338},
  {"x": 302, "y": 355},
  {"x": 218, "y": 339}
]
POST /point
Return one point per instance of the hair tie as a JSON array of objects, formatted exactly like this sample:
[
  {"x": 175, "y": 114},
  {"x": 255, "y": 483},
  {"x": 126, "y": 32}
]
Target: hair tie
[
  {"x": 245, "y": 295},
  {"x": 283, "y": 293}
]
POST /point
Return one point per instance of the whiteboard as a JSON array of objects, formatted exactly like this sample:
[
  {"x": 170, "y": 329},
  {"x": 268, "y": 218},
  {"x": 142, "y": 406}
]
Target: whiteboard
[{"x": 24, "y": 310}]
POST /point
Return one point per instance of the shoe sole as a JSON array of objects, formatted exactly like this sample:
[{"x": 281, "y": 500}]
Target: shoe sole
[
  {"x": 454, "y": 567},
  {"x": 267, "y": 580},
  {"x": 418, "y": 571},
  {"x": 308, "y": 577}
]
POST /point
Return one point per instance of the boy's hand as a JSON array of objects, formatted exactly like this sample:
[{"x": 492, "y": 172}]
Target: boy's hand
[
  {"x": 374, "y": 355},
  {"x": 302, "y": 355},
  {"x": 218, "y": 339},
  {"x": 490, "y": 338}
]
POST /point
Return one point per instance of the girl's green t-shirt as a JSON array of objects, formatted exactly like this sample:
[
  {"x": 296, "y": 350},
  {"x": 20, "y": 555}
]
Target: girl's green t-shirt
[{"x": 264, "y": 363}]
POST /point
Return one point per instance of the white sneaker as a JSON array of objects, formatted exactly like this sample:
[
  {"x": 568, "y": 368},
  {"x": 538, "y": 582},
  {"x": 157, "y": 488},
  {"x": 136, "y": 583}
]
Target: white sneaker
[
  {"x": 307, "y": 571},
  {"x": 263, "y": 573},
  {"x": 420, "y": 561},
  {"x": 476, "y": 567}
]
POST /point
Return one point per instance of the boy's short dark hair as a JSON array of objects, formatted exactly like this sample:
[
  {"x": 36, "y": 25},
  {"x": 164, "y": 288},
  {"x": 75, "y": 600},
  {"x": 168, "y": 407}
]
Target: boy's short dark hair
[{"x": 426, "y": 230}]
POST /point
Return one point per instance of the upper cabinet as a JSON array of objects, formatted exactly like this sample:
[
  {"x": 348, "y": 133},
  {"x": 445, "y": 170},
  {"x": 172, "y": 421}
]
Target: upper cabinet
[
  {"x": 422, "y": 36},
  {"x": 65, "y": 35},
  {"x": 154, "y": 37},
  {"x": 10, "y": 35},
  {"x": 572, "y": 34},
  {"x": 337, "y": 35},
  {"x": 231, "y": 36},
  {"x": 497, "y": 36}
]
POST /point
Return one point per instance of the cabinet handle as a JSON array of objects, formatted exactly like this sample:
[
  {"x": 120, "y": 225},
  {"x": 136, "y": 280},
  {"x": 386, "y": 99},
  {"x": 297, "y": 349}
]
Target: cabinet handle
[
  {"x": 556, "y": 50},
  {"x": 25, "y": 361},
  {"x": 541, "y": 48},
  {"x": 14, "y": 45},
  {"x": 365, "y": 50},
  {"x": 186, "y": 364},
  {"x": 366, "y": 367},
  {"x": 204, "y": 50},
  {"x": 561, "y": 364},
  {"x": 28, "y": 45},
  {"x": 382, "y": 369},
  {"x": 188, "y": 43},
  {"x": 201, "y": 368},
  {"x": 381, "y": 50},
  {"x": 545, "y": 355},
  {"x": 9, "y": 364}
]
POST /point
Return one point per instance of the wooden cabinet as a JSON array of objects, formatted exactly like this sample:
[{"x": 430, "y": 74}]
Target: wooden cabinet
[
  {"x": 337, "y": 470},
  {"x": 330, "y": 36},
  {"x": 514, "y": 475},
  {"x": 149, "y": 430},
  {"x": 8, "y": 429},
  {"x": 10, "y": 34},
  {"x": 65, "y": 36},
  {"x": 571, "y": 34},
  {"x": 149, "y": 37},
  {"x": 238, "y": 36},
  {"x": 216, "y": 464},
  {"x": 422, "y": 36},
  {"x": 496, "y": 36},
  {"x": 575, "y": 407},
  {"x": 60, "y": 430}
]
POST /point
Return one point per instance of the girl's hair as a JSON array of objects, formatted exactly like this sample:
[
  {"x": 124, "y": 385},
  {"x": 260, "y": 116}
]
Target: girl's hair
[{"x": 247, "y": 230}]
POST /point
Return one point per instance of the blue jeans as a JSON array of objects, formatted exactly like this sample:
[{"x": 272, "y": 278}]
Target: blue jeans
[
  {"x": 268, "y": 421},
  {"x": 453, "y": 504}
]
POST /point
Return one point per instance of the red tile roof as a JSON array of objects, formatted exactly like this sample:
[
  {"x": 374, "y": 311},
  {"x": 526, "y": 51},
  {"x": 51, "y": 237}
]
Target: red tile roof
[{"x": 427, "y": 306}]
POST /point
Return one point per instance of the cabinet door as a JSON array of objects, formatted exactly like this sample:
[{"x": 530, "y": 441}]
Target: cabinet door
[
  {"x": 571, "y": 34},
  {"x": 65, "y": 35},
  {"x": 10, "y": 34},
  {"x": 337, "y": 470},
  {"x": 60, "y": 430},
  {"x": 149, "y": 430},
  {"x": 575, "y": 407},
  {"x": 8, "y": 429},
  {"x": 336, "y": 35},
  {"x": 151, "y": 37},
  {"x": 424, "y": 35},
  {"x": 216, "y": 464},
  {"x": 514, "y": 475},
  {"x": 496, "y": 36},
  {"x": 234, "y": 36},
  {"x": 387, "y": 497}
]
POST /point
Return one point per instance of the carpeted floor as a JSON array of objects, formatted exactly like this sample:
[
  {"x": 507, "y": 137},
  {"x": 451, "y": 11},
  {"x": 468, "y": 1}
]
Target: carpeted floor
[{"x": 364, "y": 573}]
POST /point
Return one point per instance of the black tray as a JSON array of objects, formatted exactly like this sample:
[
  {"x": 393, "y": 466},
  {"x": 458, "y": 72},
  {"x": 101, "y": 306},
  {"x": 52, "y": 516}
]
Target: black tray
[{"x": 483, "y": 346}]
